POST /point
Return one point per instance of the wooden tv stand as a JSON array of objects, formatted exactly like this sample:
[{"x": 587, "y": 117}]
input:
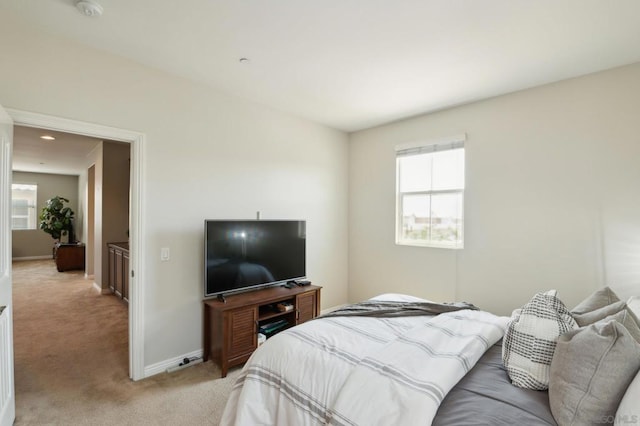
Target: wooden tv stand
[{"x": 231, "y": 327}]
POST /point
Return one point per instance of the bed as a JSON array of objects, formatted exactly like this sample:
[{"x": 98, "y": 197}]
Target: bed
[{"x": 403, "y": 370}]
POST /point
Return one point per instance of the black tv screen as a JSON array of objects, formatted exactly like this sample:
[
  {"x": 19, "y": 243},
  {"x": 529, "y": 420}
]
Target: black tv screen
[{"x": 241, "y": 254}]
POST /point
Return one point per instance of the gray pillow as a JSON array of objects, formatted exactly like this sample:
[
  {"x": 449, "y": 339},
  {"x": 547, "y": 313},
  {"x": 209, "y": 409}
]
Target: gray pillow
[
  {"x": 596, "y": 315},
  {"x": 597, "y": 300},
  {"x": 590, "y": 372},
  {"x": 626, "y": 318},
  {"x": 629, "y": 410}
]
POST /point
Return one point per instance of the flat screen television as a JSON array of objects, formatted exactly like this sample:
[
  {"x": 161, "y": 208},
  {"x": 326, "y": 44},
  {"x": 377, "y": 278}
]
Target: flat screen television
[{"x": 245, "y": 254}]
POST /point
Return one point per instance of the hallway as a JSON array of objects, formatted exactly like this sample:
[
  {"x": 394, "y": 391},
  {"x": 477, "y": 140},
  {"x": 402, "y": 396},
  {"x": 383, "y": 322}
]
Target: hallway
[
  {"x": 71, "y": 360},
  {"x": 71, "y": 343}
]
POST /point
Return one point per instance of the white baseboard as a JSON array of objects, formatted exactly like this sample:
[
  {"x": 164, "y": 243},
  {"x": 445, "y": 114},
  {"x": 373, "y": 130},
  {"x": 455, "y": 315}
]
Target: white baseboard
[
  {"x": 100, "y": 289},
  {"x": 161, "y": 367},
  {"x": 19, "y": 259}
]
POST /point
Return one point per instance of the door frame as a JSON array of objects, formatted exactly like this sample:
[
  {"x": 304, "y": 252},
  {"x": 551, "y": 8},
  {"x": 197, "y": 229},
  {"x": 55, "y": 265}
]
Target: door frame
[
  {"x": 7, "y": 381},
  {"x": 136, "y": 228}
]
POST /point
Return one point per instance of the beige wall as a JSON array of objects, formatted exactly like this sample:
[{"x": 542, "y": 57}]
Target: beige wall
[
  {"x": 95, "y": 161},
  {"x": 208, "y": 156},
  {"x": 109, "y": 164},
  {"x": 37, "y": 243},
  {"x": 552, "y": 198},
  {"x": 89, "y": 221},
  {"x": 115, "y": 200}
]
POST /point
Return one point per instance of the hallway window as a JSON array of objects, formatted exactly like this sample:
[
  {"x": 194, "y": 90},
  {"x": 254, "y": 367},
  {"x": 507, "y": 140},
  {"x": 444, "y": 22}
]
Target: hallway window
[{"x": 24, "y": 213}]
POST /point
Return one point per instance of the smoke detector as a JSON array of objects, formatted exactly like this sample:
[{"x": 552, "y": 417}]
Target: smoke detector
[{"x": 89, "y": 8}]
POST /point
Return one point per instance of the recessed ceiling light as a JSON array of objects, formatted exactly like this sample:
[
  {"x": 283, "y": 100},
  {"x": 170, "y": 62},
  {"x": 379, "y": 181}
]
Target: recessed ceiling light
[
  {"x": 47, "y": 138},
  {"x": 244, "y": 60},
  {"x": 89, "y": 8}
]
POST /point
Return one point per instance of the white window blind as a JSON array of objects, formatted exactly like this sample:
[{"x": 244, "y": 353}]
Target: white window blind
[{"x": 430, "y": 193}]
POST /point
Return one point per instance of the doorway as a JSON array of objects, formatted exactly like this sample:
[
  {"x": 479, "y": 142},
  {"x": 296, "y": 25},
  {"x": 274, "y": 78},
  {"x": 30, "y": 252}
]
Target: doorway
[{"x": 136, "y": 231}]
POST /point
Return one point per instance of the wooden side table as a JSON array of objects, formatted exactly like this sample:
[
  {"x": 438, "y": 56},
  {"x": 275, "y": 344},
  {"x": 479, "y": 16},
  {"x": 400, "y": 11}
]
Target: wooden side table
[{"x": 69, "y": 256}]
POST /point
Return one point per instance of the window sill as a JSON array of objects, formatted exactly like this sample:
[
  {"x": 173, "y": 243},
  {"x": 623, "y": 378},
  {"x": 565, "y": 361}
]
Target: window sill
[{"x": 452, "y": 246}]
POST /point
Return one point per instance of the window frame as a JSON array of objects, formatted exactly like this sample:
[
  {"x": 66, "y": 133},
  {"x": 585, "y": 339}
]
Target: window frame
[{"x": 405, "y": 150}]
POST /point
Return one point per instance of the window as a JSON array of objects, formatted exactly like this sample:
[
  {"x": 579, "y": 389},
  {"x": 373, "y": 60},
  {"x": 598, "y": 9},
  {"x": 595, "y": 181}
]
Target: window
[
  {"x": 430, "y": 194},
  {"x": 23, "y": 206}
]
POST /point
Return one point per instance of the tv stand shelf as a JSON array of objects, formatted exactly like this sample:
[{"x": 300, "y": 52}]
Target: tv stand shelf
[
  {"x": 271, "y": 315},
  {"x": 231, "y": 328}
]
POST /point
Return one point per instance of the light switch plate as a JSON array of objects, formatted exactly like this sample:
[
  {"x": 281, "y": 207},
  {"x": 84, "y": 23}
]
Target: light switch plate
[{"x": 164, "y": 254}]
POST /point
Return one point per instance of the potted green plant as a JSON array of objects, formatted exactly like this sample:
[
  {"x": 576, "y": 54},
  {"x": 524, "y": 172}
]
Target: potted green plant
[{"x": 56, "y": 219}]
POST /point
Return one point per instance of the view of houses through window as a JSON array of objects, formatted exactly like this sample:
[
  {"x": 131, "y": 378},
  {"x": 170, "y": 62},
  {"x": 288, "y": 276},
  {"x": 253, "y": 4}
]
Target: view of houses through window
[
  {"x": 430, "y": 195},
  {"x": 24, "y": 213}
]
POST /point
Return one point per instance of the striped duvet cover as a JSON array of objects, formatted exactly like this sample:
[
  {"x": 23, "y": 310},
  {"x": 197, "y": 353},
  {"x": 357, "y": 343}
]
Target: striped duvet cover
[{"x": 360, "y": 370}]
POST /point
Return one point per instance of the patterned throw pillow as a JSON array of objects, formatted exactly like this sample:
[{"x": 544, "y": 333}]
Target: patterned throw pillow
[{"x": 531, "y": 337}]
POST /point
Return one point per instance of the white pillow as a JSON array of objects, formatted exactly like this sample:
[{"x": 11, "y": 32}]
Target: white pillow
[
  {"x": 396, "y": 297},
  {"x": 634, "y": 304},
  {"x": 629, "y": 409}
]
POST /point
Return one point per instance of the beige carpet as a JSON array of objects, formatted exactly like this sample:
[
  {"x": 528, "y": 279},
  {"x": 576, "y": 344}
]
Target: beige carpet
[{"x": 71, "y": 360}]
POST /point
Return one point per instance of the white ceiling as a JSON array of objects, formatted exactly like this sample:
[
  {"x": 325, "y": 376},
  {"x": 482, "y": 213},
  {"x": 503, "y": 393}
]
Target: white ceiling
[
  {"x": 66, "y": 155},
  {"x": 353, "y": 64}
]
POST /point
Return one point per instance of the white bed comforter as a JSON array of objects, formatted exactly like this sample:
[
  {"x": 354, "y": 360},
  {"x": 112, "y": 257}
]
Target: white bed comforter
[{"x": 360, "y": 371}]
